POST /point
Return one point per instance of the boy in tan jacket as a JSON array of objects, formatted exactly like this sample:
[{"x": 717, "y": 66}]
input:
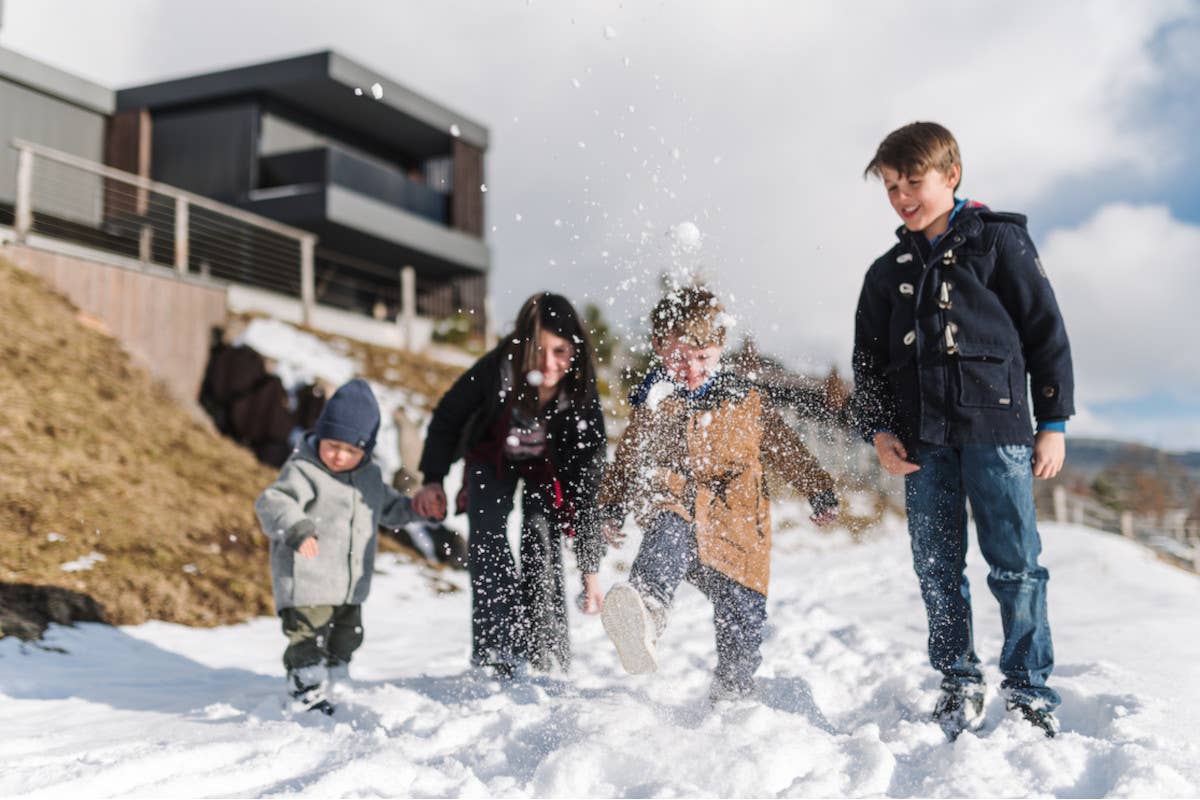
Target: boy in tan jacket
[{"x": 690, "y": 467}]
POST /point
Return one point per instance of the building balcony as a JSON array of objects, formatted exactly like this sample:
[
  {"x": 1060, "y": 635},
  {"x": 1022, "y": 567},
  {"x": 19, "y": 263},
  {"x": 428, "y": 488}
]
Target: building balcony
[
  {"x": 360, "y": 206},
  {"x": 322, "y": 166}
]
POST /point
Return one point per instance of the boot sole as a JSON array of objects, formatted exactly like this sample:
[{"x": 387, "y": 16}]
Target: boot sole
[{"x": 628, "y": 626}]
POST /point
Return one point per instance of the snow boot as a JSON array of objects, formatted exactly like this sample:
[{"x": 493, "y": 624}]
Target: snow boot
[
  {"x": 339, "y": 677},
  {"x": 960, "y": 708},
  {"x": 503, "y": 671},
  {"x": 1036, "y": 715},
  {"x": 307, "y": 687},
  {"x": 631, "y": 629},
  {"x": 723, "y": 692}
]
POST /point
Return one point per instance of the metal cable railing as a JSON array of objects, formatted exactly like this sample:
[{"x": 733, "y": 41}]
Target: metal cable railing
[{"x": 71, "y": 199}]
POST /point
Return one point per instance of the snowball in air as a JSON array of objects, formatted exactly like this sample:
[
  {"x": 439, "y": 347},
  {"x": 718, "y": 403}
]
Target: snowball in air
[
  {"x": 377, "y": 91},
  {"x": 687, "y": 236},
  {"x": 535, "y": 377}
]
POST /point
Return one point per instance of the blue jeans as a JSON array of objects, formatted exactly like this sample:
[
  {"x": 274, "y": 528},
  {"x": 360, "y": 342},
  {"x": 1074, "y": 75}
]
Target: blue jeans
[
  {"x": 667, "y": 557},
  {"x": 518, "y": 612},
  {"x": 998, "y": 480}
]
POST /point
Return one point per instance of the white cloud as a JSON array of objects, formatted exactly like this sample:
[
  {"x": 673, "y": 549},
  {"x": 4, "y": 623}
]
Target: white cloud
[
  {"x": 753, "y": 119},
  {"x": 1128, "y": 282},
  {"x": 1087, "y": 423}
]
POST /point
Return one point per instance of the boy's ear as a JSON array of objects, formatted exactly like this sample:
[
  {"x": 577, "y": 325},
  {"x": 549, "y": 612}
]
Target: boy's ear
[{"x": 954, "y": 175}]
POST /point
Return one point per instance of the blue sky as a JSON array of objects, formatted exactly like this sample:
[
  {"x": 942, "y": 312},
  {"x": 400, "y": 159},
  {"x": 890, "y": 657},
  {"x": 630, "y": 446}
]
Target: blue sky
[{"x": 613, "y": 121}]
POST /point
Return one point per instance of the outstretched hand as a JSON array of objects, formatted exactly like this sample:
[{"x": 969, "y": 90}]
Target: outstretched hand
[
  {"x": 430, "y": 501},
  {"x": 591, "y": 599},
  {"x": 613, "y": 533},
  {"x": 824, "y": 518},
  {"x": 892, "y": 454}
]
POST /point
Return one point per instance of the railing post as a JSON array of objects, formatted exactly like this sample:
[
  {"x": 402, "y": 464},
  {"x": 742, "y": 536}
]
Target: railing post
[
  {"x": 308, "y": 293},
  {"x": 408, "y": 305},
  {"x": 181, "y": 235},
  {"x": 23, "y": 207},
  {"x": 145, "y": 244},
  {"x": 1060, "y": 504},
  {"x": 490, "y": 337},
  {"x": 1127, "y": 524}
]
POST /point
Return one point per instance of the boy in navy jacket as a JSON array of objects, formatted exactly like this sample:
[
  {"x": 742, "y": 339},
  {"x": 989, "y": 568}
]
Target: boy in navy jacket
[{"x": 953, "y": 324}]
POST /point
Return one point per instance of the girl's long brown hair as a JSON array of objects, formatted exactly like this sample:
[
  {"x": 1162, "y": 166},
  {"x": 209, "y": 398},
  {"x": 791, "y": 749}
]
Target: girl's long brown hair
[{"x": 553, "y": 313}]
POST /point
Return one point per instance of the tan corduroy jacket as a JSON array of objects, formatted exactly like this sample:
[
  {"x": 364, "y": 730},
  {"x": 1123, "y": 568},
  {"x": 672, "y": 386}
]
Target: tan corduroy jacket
[{"x": 703, "y": 459}]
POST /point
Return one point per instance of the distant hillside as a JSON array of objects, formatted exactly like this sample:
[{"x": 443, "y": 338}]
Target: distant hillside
[
  {"x": 1091, "y": 456},
  {"x": 110, "y": 490}
]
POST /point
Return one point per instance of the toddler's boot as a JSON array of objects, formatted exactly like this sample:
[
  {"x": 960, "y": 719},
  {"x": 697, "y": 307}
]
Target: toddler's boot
[{"x": 307, "y": 687}]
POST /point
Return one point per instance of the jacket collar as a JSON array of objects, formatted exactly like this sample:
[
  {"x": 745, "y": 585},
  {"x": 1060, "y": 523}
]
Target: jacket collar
[
  {"x": 964, "y": 222},
  {"x": 658, "y": 375}
]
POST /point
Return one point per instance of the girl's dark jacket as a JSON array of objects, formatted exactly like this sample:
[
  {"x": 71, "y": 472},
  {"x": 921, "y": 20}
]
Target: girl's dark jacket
[
  {"x": 574, "y": 432},
  {"x": 948, "y": 339}
]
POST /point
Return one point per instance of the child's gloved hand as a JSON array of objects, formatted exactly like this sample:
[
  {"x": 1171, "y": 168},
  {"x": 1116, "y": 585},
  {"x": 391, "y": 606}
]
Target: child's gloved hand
[
  {"x": 613, "y": 533},
  {"x": 308, "y": 548},
  {"x": 825, "y": 517},
  {"x": 591, "y": 599}
]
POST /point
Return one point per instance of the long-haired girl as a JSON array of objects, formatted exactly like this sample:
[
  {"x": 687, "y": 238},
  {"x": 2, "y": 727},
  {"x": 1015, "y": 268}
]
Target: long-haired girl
[{"x": 527, "y": 411}]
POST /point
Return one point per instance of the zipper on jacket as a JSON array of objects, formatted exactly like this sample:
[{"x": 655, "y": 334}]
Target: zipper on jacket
[{"x": 350, "y": 546}]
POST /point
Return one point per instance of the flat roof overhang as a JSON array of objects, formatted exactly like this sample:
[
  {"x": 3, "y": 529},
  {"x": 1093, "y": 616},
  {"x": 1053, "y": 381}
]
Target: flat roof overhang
[
  {"x": 365, "y": 228},
  {"x": 57, "y": 83},
  {"x": 323, "y": 84}
]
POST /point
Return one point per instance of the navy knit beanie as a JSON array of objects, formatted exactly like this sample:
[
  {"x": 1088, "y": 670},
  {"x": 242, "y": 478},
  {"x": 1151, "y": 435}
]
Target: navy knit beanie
[{"x": 351, "y": 416}]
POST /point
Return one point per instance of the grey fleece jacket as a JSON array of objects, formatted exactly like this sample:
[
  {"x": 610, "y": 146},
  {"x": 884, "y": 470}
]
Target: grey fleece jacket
[{"x": 343, "y": 511}]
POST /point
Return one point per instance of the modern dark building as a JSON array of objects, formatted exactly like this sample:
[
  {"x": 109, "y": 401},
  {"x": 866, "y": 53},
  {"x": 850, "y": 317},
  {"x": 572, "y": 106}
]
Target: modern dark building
[{"x": 386, "y": 178}]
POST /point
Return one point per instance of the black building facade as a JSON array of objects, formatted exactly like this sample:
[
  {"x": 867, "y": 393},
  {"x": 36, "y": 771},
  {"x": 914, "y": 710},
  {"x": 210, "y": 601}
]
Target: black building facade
[{"x": 386, "y": 178}]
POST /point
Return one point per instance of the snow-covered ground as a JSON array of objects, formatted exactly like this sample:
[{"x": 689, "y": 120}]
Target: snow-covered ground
[{"x": 163, "y": 710}]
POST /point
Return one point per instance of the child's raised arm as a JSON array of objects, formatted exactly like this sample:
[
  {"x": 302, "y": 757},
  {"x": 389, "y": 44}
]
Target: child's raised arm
[
  {"x": 784, "y": 453},
  {"x": 397, "y": 509}
]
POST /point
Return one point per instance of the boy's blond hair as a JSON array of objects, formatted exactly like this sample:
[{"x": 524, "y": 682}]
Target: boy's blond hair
[
  {"x": 916, "y": 148},
  {"x": 691, "y": 314}
]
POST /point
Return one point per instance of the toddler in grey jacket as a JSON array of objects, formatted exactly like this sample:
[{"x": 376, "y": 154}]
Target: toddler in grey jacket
[{"x": 322, "y": 516}]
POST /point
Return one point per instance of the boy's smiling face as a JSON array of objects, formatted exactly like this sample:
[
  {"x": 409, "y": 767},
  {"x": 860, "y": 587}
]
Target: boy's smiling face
[
  {"x": 686, "y": 364},
  {"x": 923, "y": 202},
  {"x": 339, "y": 456}
]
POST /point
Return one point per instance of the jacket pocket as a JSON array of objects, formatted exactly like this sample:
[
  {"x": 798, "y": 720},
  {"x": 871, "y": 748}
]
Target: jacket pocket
[{"x": 985, "y": 379}]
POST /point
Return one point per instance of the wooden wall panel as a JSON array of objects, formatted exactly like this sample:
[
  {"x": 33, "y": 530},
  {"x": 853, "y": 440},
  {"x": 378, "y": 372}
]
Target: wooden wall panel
[
  {"x": 164, "y": 322},
  {"x": 466, "y": 204}
]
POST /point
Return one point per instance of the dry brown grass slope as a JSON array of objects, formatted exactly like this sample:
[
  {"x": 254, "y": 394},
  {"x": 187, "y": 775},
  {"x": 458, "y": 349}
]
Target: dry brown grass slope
[{"x": 96, "y": 457}]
